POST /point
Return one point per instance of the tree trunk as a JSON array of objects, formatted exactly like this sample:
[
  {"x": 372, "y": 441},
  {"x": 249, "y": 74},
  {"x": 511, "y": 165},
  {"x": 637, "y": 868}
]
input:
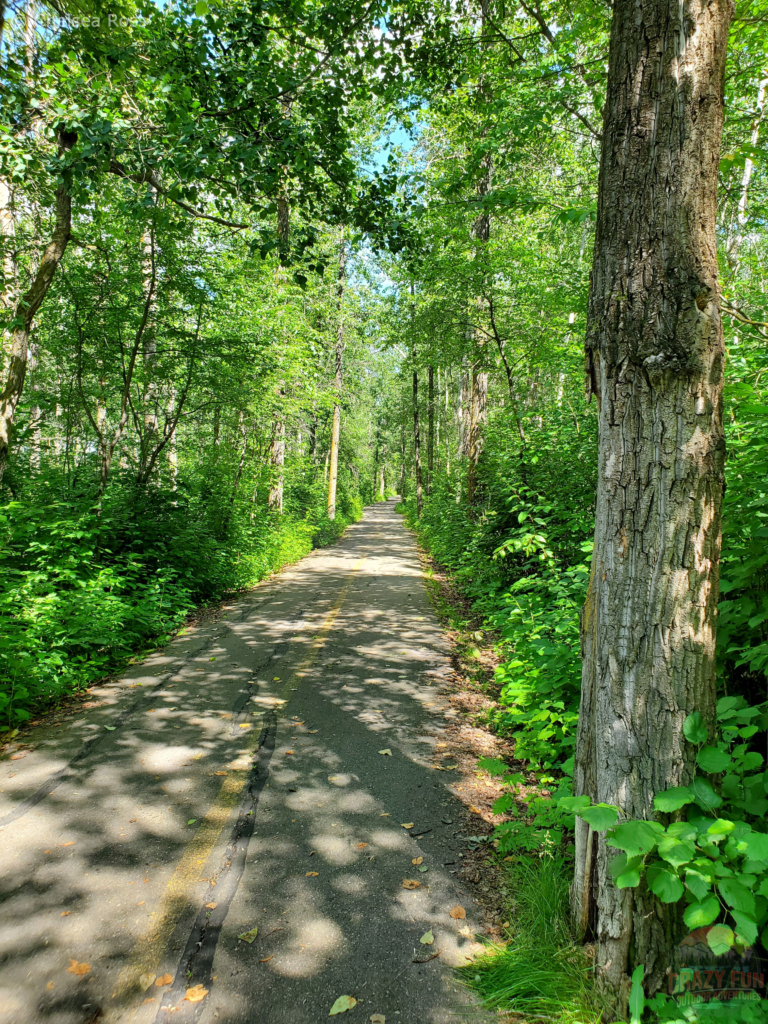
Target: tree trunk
[
  {"x": 25, "y": 312},
  {"x": 402, "y": 460},
  {"x": 417, "y": 443},
  {"x": 337, "y": 380},
  {"x": 654, "y": 349},
  {"x": 430, "y": 427},
  {"x": 277, "y": 461},
  {"x": 477, "y": 417}
]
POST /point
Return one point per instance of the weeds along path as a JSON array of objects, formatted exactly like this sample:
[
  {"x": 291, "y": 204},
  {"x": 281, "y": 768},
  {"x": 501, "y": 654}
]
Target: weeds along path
[{"x": 248, "y": 826}]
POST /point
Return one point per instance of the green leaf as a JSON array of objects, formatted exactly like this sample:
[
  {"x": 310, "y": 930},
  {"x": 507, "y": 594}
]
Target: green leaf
[
  {"x": 676, "y": 851},
  {"x": 666, "y": 885},
  {"x": 249, "y": 936},
  {"x": 625, "y": 870},
  {"x": 574, "y": 804},
  {"x": 600, "y": 816},
  {"x": 636, "y": 996},
  {"x": 342, "y": 1004},
  {"x": 754, "y": 845},
  {"x": 673, "y": 799},
  {"x": 720, "y": 828},
  {"x": 713, "y": 760},
  {"x": 635, "y": 837},
  {"x": 697, "y": 915},
  {"x": 694, "y": 729},
  {"x": 201, "y": 8},
  {"x": 737, "y": 895},
  {"x": 698, "y": 883},
  {"x": 746, "y": 927},
  {"x": 704, "y": 795},
  {"x": 720, "y": 939}
]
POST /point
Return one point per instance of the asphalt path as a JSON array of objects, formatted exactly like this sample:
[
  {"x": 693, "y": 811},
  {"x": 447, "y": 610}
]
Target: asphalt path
[{"x": 248, "y": 825}]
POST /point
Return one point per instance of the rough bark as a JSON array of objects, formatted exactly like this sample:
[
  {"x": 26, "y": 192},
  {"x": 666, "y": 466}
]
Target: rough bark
[
  {"x": 338, "y": 379},
  {"x": 24, "y": 315},
  {"x": 654, "y": 350}
]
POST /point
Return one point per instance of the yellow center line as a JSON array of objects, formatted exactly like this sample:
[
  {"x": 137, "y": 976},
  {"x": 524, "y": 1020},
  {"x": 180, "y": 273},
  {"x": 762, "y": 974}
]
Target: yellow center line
[{"x": 178, "y": 894}]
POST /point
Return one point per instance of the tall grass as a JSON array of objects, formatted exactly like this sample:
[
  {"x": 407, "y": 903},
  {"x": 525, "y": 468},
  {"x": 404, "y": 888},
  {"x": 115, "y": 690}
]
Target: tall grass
[{"x": 541, "y": 973}]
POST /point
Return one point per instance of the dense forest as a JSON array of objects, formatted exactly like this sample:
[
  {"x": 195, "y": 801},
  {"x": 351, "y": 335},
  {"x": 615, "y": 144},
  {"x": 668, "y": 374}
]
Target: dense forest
[{"x": 266, "y": 263}]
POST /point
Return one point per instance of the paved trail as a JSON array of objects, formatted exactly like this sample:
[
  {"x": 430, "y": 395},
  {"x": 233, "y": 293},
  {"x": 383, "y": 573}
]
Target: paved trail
[{"x": 234, "y": 780}]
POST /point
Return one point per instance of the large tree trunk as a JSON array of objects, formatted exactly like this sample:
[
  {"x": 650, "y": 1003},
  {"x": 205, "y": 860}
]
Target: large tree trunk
[
  {"x": 337, "y": 380},
  {"x": 25, "y": 312},
  {"x": 655, "y": 363}
]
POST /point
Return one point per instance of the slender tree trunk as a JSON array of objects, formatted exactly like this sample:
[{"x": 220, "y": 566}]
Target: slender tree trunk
[
  {"x": 417, "y": 443},
  {"x": 402, "y": 461},
  {"x": 430, "y": 427},
  {"x": 337, "y": 380},
  {"x": 477, "y": 417},
  {"x": 655, "y": 355},
  {"x": 25, "y": 312},
  {"x": 277, "y": 461}
]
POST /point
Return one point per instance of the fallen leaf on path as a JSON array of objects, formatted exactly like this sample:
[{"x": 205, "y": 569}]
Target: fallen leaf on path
[
  {"x": 312, "y": 874},
  {"x": 361, "y": 846},
  {"x": 50, "y": 985},
  {"x": 275, "y": 679},
  {"x": 131, "y": 821},
  {"x": 417, "y": 861},
  {"x": 196, "y": 994},
  {"x": 406, "y": 824},
  {"x": 70, "y": 843},
  {"x": 145, "y": 980},
  {"x": 313, "y": 731},
  {"x": 424, "y": 868},
  {"x": 220, "y": 773},
  {"x": 163, "y": 980},
  {"x": 211, "y": 906},
  {"x": 426, "y": 960},
  {"x": 245, "y": 725},
  {"x": 475, "y": 810},
  {"x": 289, "y": 751},
  {"x": 378, "y": 1018},
  {"x": 449, "y": 767},
  {"x": 441, "y": 746},
  {"x": 192, "y": 821},
  {"x": 249, "y": 936},
  {"x": 79, "y": 969},
  {"x": 150, "y": 999},
  {"x": 458, "y": 913},
  {"x": 386, "y": 751},
  {"x": 342, "y": 1004},
  {"x": 427, "y": 938},
  {"x": 110, "y": 727},
  {"x": 266, "y": 959},
  {"x": 411, "y": 883},
  {"x": 387, "y": 815}
]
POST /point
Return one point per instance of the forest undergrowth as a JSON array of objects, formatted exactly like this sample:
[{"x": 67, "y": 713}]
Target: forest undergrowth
[{"x": 86, "y": 587}]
